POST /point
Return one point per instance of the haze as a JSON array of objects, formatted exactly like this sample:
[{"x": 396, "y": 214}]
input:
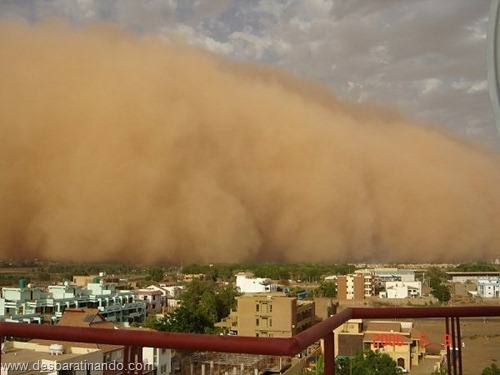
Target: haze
[{"x": 122, "y": 147}]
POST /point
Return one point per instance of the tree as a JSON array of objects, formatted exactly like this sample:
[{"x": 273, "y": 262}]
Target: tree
[
  {"x": 156, "y": 274},
  {"x": 442, "y": 293},
  {"x": 202, "y": 305},
  {"x": 363, "y": 363},
  {"x": 491, "y": 370},
  {"x": 326, "y": 289}
]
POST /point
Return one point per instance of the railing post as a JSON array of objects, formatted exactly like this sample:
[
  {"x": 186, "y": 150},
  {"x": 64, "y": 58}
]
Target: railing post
[
  {"x": 329, "y": 361},
  {"x": 454, "y": 346},
  {"x": 459, "y": 337},
  {"x": 448, "y": 359}
]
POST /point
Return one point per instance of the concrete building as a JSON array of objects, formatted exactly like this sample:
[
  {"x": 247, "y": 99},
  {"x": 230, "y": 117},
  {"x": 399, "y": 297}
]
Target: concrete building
[
  {"x": 33, "y": 305},
  {"x": 154, "y": 300},
  {"x": 399, "y": 340},
  {"x": 463, "y": 277},
  {"x": 488, "y": 287},
  {"x": 154, "y": 360},
  {"x": 246, "y": 283},
  {"x": 269, "y": 315},
  {"x": 400, "y": 289},
  {"x": 51, "y": 359},
  {"x": 349, "y": 338},
  {"x": 355, "y": 286}
]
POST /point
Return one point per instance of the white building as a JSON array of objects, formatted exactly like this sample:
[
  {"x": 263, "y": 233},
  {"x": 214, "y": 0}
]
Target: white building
[
  {"x": 154, "y": 300},
  {"x": 246, "y": 283},
  {"x": 488, "y": 287},
  {"x": 399, "y": 289},
  {"x": 28, "y": 304},
  {"x": 160, "y": 359}
]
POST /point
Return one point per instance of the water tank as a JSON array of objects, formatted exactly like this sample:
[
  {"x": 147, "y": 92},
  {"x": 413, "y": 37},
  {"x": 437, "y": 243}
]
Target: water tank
[
  {"x": 22, "y": 283},
  {"x": 56, "y": 349}
]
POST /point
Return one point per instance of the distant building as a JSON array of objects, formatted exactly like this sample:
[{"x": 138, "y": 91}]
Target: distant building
[
  {"x": 399, "y": 289},
  {"x": 246, "y": 283},
  {"x": 269, "y": 315},
  {"x": 462, "y": 277},
  {"x": 153, "y": 299},
  {"x": 488, "y": 287},
  {"x": 383, "y": 275},
  {"x": 33, "y": 305},
  {"x": 355, "y": 286}
]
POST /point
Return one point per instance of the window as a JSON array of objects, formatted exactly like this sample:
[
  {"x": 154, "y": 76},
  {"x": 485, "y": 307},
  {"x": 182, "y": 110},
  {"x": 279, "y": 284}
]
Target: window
[
  {"x": 257, "y": 322},
  {"x": 270, "y": 322},
  {"x": 257, "y": 307},
  {"x": 270, "y": 307}
]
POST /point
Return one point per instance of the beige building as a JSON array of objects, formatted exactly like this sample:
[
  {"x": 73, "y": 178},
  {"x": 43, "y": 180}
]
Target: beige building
[
  {"x": 399, "y": 340},
  {"x": 349, "y": 338},
  {"x": 355, "y": 286},
  {"x": 269, "y": 315},
  {"x": 50, "y": 359}
]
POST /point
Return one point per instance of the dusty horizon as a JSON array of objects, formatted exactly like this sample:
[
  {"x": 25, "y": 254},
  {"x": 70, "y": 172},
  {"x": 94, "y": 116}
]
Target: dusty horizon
[{"x": 119, "y": 146}]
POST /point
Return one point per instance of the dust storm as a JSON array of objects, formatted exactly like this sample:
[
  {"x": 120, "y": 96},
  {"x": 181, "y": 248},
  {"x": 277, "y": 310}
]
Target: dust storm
[{"x": 117, "y": 146}]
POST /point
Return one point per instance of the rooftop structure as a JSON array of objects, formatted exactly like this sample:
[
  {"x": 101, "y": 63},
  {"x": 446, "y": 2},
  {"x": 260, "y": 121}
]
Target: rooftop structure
[{"x": 246, "y": 283}]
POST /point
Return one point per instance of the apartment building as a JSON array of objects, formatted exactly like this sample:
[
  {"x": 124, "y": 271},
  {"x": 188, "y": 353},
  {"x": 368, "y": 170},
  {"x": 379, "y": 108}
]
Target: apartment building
[
  {"x": 154, "y": 300},
  {"x": 488, "y": 287},
  {"x": 269, "y": 315},
  {"x": 355, "y": 286},
  {"x": 31, "y": 304}
]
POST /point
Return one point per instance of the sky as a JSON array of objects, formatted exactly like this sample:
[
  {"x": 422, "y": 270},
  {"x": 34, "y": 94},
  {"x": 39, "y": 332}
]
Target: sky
[{"x": 425, "y": 58}]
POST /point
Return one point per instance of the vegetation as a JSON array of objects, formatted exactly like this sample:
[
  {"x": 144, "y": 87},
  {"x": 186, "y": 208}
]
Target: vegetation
[
  {"x": 202, "y": 305},
  {"x": 275, "y": 271},
  {"x": 441, "y": 292},
  {"x": 326, "y": 289},
  {"x": 363, "y": 363},
  {"x": 491, "y": 370},
  {"x": 156, "y": 274},
  {"x": 476, "y": 267}
]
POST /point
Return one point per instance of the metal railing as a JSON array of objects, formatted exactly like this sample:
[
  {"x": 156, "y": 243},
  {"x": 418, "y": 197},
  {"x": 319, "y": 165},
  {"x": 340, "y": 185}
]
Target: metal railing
[{"x": 134, "y": 339}]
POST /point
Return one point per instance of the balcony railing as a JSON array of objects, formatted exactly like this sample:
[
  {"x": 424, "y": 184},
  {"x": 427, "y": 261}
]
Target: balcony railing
[{"x": 256, "y": 345}]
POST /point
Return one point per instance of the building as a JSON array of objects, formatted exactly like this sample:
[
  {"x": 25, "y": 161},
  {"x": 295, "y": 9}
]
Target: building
[
  {"x": 349, "y": 338},
  {"x": 463, "y": 277},
  {"x": 355, "y": 286},
  {"x": 154, "y": 300},
  {"x": 488, "y": 287},
  {"x": 154, "y": 360},
  {"x": 399, "y": 340},
  {"x": 52, "y": 359},
  {"x": 246, "y": 283},
  {"x": 400, "y": 289},
  {"x": 30, "y": 304},
  {"x": 269, "y": 315}
]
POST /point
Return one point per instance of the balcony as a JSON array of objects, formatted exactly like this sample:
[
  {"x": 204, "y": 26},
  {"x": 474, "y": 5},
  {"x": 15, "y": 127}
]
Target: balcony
[{"x": 255, "y": 345}]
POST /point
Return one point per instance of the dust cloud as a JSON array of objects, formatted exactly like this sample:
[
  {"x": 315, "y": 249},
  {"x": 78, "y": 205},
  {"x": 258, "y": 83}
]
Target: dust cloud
[{"x": 122, "y": 147}]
